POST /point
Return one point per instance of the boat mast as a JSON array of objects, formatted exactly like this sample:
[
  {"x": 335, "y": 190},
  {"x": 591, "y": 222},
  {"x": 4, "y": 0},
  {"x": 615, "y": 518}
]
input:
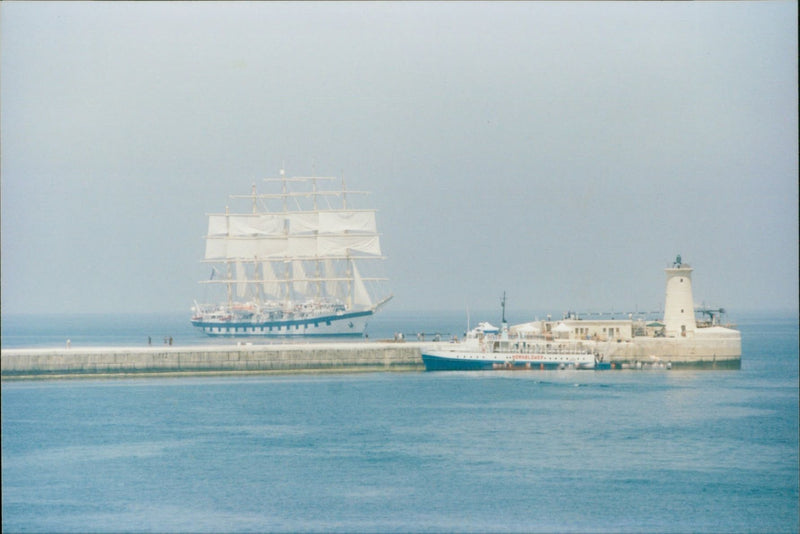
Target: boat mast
[
  {"x": 228, "y": 273},
  {"x": 318, "y": 262},
  {"x": 348, "y": 265},
  {"x": 284, "y": 192},
  {"x": 344, "y": 193},
  {"x": 288, "y": 265},
  {"x": 258, "y": 288},
  {"x": 314, "y": 191},
  {"x": 504, "y": 327}
]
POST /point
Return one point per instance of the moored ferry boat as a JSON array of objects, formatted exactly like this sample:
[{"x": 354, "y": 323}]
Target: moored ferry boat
[
  {"x": 291, "y": 265},
  {"x": 507, "y": 356},
  {"x": 487, "y": 348}
]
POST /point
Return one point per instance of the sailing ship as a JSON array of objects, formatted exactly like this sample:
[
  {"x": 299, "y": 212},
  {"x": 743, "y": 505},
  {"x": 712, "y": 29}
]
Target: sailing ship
[{"x": 290, "y": 264}]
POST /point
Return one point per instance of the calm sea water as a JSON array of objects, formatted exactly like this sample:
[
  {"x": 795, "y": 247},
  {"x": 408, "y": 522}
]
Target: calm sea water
[
  {"x": 547, "y": 451},
  {"x": 135, "y": 329}
]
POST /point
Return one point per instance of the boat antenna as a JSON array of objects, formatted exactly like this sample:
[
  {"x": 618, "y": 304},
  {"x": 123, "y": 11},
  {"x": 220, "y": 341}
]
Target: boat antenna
[{"x": 504, "y": 330}]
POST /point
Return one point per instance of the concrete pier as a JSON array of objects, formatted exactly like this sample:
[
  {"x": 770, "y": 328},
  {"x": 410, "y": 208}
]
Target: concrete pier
[
  {"x": 244, "y": 358},
  {"x": 699, "y": 351}
]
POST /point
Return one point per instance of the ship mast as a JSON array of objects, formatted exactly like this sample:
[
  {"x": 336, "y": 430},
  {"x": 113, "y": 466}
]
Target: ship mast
[
  {"x": 344, "y": 193},
  {"x": 284, "y": 192},
  {"x": 349, "y": 271},
  {"x": 228, "y": 274},
  {"x": 318, "y": 262}
]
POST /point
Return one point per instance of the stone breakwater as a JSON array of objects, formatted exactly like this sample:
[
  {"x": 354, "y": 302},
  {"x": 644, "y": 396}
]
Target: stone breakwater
[
  {"x": 705, "y": 352},
  {"x": 308, "y": 357}
]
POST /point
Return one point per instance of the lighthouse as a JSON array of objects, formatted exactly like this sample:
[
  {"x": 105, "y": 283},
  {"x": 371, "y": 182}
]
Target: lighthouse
[{"x": 679, "y": 304}]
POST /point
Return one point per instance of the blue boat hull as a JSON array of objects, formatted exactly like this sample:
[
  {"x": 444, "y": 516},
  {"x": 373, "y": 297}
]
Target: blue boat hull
[
  {"x": 437, "y": 363},
  {"x": 346, "y": 324},
  {"x": 442, "y": 363}
]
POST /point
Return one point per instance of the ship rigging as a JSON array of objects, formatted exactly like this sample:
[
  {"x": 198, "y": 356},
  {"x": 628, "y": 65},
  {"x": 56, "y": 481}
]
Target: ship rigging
[{"x": 292, "y": 263}]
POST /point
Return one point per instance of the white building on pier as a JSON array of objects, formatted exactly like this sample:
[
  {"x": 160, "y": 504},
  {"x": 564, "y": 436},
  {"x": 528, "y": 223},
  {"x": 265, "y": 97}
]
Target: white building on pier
[{"x": 677, "y": 337}]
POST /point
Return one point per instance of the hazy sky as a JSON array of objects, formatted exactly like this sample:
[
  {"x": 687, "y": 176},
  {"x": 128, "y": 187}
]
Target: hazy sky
[{"x": 562, "y": 152}]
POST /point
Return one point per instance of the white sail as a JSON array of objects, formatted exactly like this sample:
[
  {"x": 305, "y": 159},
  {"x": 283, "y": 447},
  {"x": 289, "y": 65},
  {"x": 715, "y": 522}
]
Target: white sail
[
  {"x": 241, "y": 280},
  {"x": 242, "y": 226},
  {"x": 269, "y": 281},
  {"x": 272, "y": 248},
  {"x": 318, "y": 283},
  {"x": 245, "y": 248},
  {"x": 331, "y": 285},
  {"x": 245, "y": 225},
  {"x": 301, "y": 247},
  {"x": 250, "y": 248},
  {"x": 345, "y": 245},
  {"x": 303, "y": 223},
  {"x": 255, "y": 225},
  {"x": 300, "y": 284},
  {"x": 306, "y": 246},
  {"x": 361, "y": 297},
  {"x": 216, "y": 249},
  {"x": 337, "y": 222},
  {"x": 217, "y": 225}
]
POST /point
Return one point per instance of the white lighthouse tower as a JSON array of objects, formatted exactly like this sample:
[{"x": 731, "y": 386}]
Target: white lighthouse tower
[{"x": 679, "y": 304}]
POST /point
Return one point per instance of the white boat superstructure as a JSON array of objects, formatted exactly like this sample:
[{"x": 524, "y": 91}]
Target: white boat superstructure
[
  {"x": 490, "y": 351},
  {"x": 486, "y": 347}
]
